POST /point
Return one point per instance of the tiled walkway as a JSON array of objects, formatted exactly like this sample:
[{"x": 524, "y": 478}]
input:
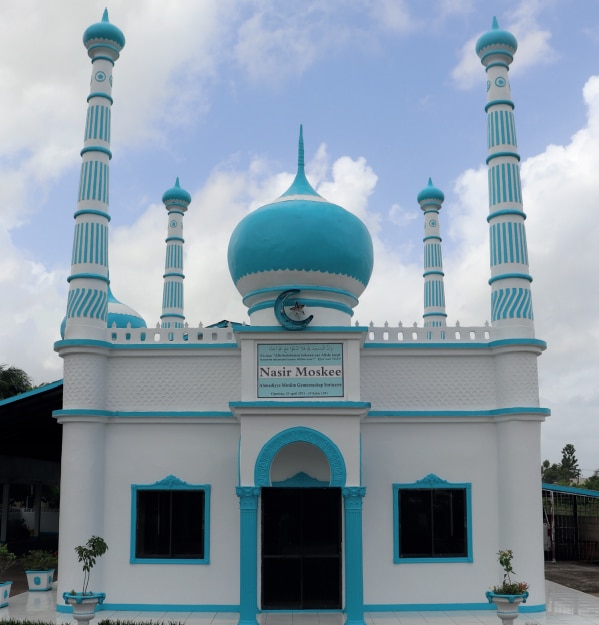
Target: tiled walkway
[{"x": 564, "y": 607}]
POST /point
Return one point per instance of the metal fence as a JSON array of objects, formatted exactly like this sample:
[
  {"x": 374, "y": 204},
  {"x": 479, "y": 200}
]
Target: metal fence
[{"x": 571, "y": 523}]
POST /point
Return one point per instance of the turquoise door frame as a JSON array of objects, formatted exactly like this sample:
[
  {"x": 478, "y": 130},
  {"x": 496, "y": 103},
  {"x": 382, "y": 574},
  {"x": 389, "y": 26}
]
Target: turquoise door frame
[{"x": 248, "y": 508}]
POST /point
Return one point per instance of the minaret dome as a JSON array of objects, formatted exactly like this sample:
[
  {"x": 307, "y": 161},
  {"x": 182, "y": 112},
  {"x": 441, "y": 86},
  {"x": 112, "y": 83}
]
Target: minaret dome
[
  {"x": 496, "y": 41},
  {"x": 104, "y": 35}
]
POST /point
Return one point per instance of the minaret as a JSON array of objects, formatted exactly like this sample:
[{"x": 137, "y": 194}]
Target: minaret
[
  {"x": 88, "y": 282},
  {"x": 511, "y": 302},
  {"x": 430, "y": 200},
  {"x": 176, "y": 200}
]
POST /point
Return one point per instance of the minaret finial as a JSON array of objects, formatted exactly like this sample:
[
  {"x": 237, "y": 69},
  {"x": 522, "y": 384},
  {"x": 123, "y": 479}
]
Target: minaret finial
[
  {"x": 495, "y": 24},
  {"x": 105, "y": 15}
]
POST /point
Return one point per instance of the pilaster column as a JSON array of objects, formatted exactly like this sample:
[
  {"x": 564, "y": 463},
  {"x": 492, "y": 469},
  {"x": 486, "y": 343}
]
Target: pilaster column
[
  {"x": 354, "y": 577},
  {"x": 248, "y": 557}
]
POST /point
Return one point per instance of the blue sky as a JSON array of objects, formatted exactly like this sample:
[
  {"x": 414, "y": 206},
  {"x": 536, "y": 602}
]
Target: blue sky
[{"x": 389, "y": 92}]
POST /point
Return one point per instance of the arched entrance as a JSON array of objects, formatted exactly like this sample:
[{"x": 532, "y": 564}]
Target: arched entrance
[
  {"x": 300, "y": 472},
  {"x": 298, "y": 494}
]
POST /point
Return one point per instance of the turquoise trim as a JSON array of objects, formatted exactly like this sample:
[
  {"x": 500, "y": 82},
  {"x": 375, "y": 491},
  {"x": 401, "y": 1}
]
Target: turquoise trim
[
  {"x": 158, "y": 607},
  {"x": 137, "y": 414},
  {"x": 170, "y": 483},
  {"x": 100, "y": 94},
  {"x": 500, "y": 154},
  {"x": 436, "y": 237},
  {"x": 248, "y": 556},
  {"x": 354, "y": 561},
  {"x": 299, "y": 404},
  {"x": 96, "y": 148},
  {"x": 572, "y": 490},
  {"x": 173, "y": 274},
  {"x": 507, "y": 211},
  {"x": 504, "y": 52},
  {"x": 443, "y": 607},
  {"x": 149, "y": 345},
  {"x": 91, "y": 211},
  {"x": 315, "y": 329},
  {"x": 31, "y": 393},
  {"x": 432, "y": 482},
  {"x": 177, "y": 315},
  {"x": 491, "y": 103},
  {"x": 301, "y": 480},
  {"x": 103, "y": 46},
  {"x": 499, "y": 343},
  {"x": 435, "y": 314},
  {"x": 495, "y": 412},
  {"x": 103, "y": 57},
  {"x": 294, "y": 435},
  {"x": 433, "y": 272},
  {"x": 179, "y": 239},
  {"x": 506, "y": 276},
  {"x": 93, "y": 276},
  {"x": 306, "y": 302},
  {"x": 300, "y": 287}
]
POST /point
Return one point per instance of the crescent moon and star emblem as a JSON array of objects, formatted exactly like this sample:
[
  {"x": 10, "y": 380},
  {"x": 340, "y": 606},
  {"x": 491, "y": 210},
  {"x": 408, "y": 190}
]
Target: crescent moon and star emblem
[{"x": 297, "y": 310}]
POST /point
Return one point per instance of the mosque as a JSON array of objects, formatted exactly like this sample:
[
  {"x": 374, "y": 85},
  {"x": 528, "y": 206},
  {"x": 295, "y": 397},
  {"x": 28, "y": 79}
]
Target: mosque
[{"x": 298, "y": 461}]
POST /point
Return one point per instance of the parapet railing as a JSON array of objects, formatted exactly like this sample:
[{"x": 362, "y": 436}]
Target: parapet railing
[
  {"x": 176, "y": 336},
  {"x": 401, "y": 334},
  {"x": 385, "y": 334}
]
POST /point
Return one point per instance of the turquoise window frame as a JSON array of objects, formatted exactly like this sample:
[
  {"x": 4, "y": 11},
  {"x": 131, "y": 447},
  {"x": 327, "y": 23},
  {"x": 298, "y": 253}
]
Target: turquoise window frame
[
  {"x": 432, "y": 482},
  {"x": 170, "y": 483}
]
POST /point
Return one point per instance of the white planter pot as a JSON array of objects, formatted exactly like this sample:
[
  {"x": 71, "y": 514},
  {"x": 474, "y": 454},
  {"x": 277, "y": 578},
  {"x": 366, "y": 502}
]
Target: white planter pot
[
  {"x": 40, "y": 581},
  {"x": 84, "y": 606},
  {"x": 507, "y": 605},
  {"x": 4, "y": 593}
]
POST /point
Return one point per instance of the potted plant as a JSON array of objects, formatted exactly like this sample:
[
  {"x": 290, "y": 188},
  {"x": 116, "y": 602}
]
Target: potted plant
[
  {"x": 508, "y": 595},
  {"x": 84, "y": 603},
  {"x": 39, "y": 567},
  {"x": 7, "y": 559}
]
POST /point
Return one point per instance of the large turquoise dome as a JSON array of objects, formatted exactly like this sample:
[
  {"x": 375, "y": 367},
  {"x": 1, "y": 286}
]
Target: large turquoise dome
[{"x": 301, "y": 241}]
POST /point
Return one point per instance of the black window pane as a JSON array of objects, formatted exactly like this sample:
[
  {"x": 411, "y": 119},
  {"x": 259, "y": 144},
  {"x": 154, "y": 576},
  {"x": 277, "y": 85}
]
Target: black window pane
[
  {"x": 188, "y": 526},
  {"x": 432, "y": 523},
  {"x": 415, "y": 524},
  {"x": 170, "y": 524},
  {"x": 449, "y": 518}
]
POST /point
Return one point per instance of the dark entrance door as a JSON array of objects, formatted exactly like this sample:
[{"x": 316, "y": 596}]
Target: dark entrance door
[{"x": 301, "y": 548}]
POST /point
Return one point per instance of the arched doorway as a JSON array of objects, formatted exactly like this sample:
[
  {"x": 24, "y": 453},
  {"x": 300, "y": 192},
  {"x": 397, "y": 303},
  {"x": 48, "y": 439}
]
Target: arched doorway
[{"x": 300, "y": 472}]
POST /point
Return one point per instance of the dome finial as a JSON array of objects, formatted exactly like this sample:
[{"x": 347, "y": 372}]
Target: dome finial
[
  {"x": 300, "y": 149},
  {"x": 105, "y": 15},
  {"x": 495, "y": 24}
]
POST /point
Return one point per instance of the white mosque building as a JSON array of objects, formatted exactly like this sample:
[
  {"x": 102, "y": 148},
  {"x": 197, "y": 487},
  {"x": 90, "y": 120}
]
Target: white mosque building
[{"x": 298, "y": 461}]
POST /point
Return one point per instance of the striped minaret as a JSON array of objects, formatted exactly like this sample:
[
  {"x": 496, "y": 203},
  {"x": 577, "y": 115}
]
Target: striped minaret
[
  {"x": 511, "y": 302},
  {"x": 176, "y": 200},
  {"x": 430, "y": 200},
  {"x": 88, "y": 282}
]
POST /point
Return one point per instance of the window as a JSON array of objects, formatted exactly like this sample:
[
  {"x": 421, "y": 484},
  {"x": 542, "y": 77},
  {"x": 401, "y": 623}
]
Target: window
[
  {"x": 170, "y": 523},
  {"x": 432, "y": 521}
]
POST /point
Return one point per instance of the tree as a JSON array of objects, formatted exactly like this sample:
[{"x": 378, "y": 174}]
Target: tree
[
  {"x": 569, "y": 470},
  {"x": 592, "y": 483},
  {"x": 550, "y": 473},
  {"x": 13, "y": 381}
]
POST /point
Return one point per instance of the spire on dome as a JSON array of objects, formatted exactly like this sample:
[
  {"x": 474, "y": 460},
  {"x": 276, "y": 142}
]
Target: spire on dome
[{"x": 300, "y": 185}]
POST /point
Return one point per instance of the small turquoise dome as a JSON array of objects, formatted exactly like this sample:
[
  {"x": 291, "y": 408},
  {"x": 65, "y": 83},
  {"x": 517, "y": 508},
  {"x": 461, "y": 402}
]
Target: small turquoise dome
[
  {"x": 176, "y": 195},
  {"x": 303, "y": 234},
  {"x": 119, "y": 314},
  {"x": 430, "y": 192},
  {"x": 104, "y": 31},
  {"x": 496, "y": 37}
]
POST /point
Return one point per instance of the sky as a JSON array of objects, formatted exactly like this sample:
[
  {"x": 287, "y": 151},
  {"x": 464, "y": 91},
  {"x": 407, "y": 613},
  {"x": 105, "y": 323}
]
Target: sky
[{"x": 389, "y": 92}]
